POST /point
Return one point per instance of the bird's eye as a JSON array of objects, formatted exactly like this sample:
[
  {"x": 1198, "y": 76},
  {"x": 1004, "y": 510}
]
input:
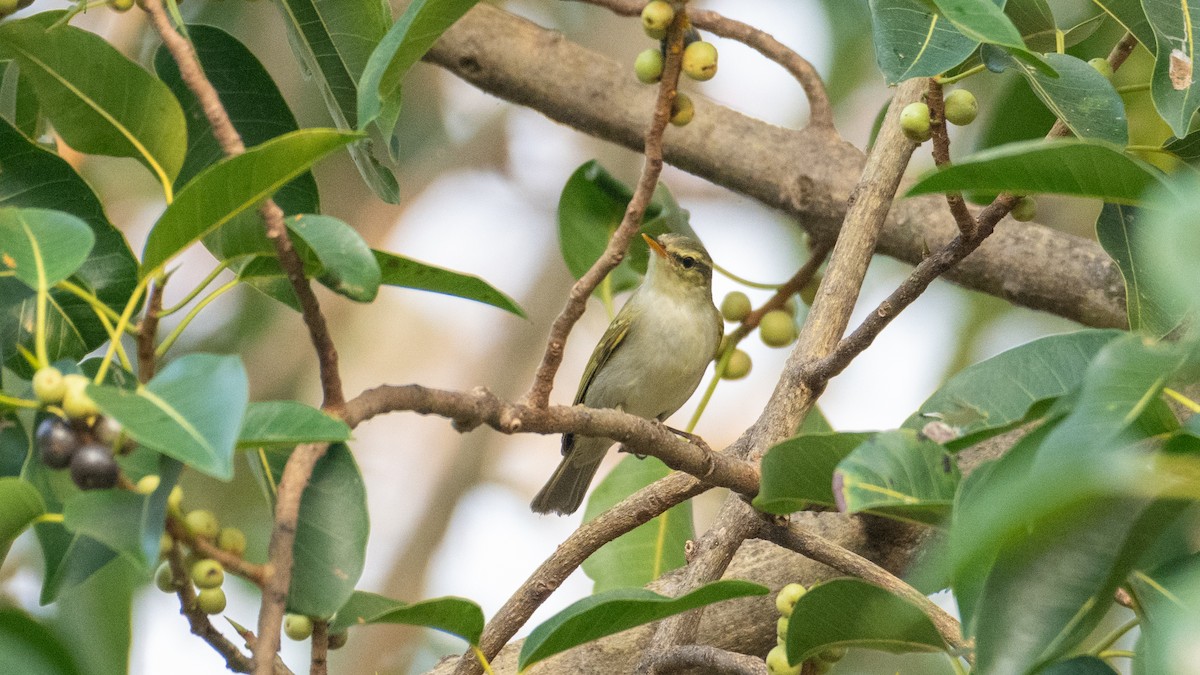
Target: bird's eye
[{"x": 688, "y": 262}]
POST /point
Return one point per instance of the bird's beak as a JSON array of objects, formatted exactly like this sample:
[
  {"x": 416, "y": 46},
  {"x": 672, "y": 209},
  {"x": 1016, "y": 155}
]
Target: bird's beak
[{"x": 654, "y": 245}]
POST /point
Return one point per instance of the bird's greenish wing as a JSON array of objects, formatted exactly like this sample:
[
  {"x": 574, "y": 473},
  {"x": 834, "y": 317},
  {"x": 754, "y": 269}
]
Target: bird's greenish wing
[{"x": 612, "y": 339}]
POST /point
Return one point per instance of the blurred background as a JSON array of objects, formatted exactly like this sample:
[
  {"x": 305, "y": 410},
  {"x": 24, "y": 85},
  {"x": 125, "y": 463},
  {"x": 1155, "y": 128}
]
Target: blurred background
[{"x": 480, "y": 181}]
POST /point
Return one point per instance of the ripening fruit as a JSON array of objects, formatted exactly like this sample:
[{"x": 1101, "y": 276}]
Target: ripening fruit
[
  {"x": 787, "y": 598},
  {"x": 682, "y": 110},
  {"x": 914, "y": 121},
  {"x": 735, "y": 306},
  {"x": 208, "y": 573},
  {"x": 961, "y": 107},
  {"x": 164, "y": 579},
  {"x": 777, "y": 328},
  {"x": 297, "y": 626},
  {"x": 49, "y": 385},
  {"x": 56, "y": 442},
  {"x": 76, "y": 403},
  {"x": 232, "y": 540},
  {"x": 338, "y": 640},
  {"x": 1102, "y": 66},
  {"x": 700, "y": 61},
  {"x": 211, "y": 600},
  {"x": 93, "y": 468},
  {"x": 656, "y": 16},
  {"x": 165, "y": 542},
  {"x": 202, "y": 523},
  {"x": 110, "y": 432},
  {"x": 147, "y": 484},
  {"x": 738, "y": 366},
  {"x": 649, "y": 66},
  {"x": 781, "y": 628},
  {"x": 777, "y": 663},
  {"x": 789, "y": 306},
  {"x": 1025, "y": 210},
  {"x": 175, "y": 501}
]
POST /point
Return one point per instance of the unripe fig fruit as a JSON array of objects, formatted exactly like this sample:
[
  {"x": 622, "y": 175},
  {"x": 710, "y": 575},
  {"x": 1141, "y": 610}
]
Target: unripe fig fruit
[
  {"x": 682, "y": 110},
  {"x": 175, "y": 501},
  {"x": 297, "y": 626},
  {"x": 202, "y": 524},
  {"x": 147, "y": 484},
  {"x": 48, "y": 385},
  {"x": 164, "y": 579},
  {"x": 738, "y": 366},
  {"x": 165, "y": 542},
  {"x": 787, "y": 598},
  {"x": 1025, "y": 210},
  {"x": 809, "y": 292},
  {"x": 121, "y": 5},
  {"x": 232, "y": 540},
  {"x": 93, "y": 468},
  {"x": 914, "y": 121},
  {"x": 735, "y": 306},
  {"x": 56, "y": 442},
  {"x": 777, "y": 663},
  {"x": 338, "y": 640},
  {"x": 656, "y": 16},
  {"x": 649, "y": 66},
  {"x": 211, "y": 601},
  {"x": 961, "y": 107},
  {"x": 777, "y": 328},
  {"x": 76, "y": 403},
  {"x": 1102, "y": 66},
  {"x": 781, "y": 628},
  {"x": 700, "y": 61},
  {"x": 208, "y": 573}
]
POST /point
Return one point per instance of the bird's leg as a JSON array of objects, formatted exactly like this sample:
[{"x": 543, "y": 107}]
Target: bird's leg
[{"x": 690, "y": 437}]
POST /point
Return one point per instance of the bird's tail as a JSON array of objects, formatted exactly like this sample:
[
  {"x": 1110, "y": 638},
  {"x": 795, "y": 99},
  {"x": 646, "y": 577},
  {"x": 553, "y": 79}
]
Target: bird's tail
[{"x": 565, "y": 490}]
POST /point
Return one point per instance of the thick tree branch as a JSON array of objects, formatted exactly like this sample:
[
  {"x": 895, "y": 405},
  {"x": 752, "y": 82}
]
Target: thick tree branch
[
  {"x": 1026, "y": 264},
  {"x": 706, "y": 659}
]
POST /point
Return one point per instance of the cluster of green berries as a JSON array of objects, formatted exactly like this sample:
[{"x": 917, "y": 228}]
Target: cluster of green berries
[
  {"x": 777, "y": 661},
  {"x": 206, "y": 574},
  {"x": 961, "y": 110},
  {"x": 699, "y": 57},
  {"x": 10, "y": 6},
  {"x": 79, "y": 438},
  {"x": 776, "y": 328}
]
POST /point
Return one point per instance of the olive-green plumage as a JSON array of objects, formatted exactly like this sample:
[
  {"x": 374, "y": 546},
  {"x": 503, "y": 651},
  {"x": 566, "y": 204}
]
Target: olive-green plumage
[{"x": 648, "y": 363}]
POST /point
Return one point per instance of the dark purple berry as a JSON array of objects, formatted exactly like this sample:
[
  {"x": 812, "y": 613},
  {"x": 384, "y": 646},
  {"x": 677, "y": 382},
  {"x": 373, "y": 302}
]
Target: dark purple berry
[
  {"x": 56, "y": 442},
  {"x": 93, "y": 467}
]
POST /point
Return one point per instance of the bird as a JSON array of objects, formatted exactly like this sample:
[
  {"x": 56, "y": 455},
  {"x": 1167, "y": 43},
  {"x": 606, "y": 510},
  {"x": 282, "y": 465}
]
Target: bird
[{"x": 649, "y": 361}]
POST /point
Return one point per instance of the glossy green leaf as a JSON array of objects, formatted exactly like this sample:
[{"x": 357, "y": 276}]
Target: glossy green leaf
[
  {"x": 1068, "y": 167},
  {"x": 97, "y": 617},
  {"x": 854, "y": 613},
  {"x": 900, "y": 475},
  {"x": 70, "y": 558},
  {"x": 191, "y": 410},
  {"x": 994, "y": 395},
  {"x": 331, "y": 535},
  {"x": 912, "y": 40},
  {"x": 347, "y": 265},
  {"x": 1168, "y": 235},
  {"x": 798, "y": 472},
  {"x": 986, "y": 22},
  {"x": 422, "y": 23},
  {"x": 1080, "y": 96},
  {"x": 1149, "y": 311},
  {"x": 333, "y": 39},
  {"x": 99, "y": 101},
  {"x": 232, "y": 186},
  {"x": 256, "y": 108},
  {"x": 14, "y": 449},
  {"x": 604, "y": 614},
  {"x": 1129, "y": 14},
  {"x": 646, "y": 552},
  {"x": 25, "y": 114},
  {"x": 408, "y": 273},
  {"x": 457, "y": 616},
  {"x": 29, "y": 648},
  {"x": 42, "y": 247},
  {"x": 1079, "y": 665},
  {"x": 1168, "y": 597},
  {"x": 1172, "y": 86},
  {"x": 269, "y": 423},
  {"x": 1034, "y": 21},
  {"x": 20, "y": 503}
]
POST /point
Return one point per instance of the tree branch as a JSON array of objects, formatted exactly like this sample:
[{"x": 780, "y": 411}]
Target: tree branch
[
  {"x": 198, "y": 621},
  {"x": 147, "y": 330},
  {"x": 704, "y": 658}
]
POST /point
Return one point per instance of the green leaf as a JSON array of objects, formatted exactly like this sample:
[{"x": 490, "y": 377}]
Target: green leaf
[
  {"x": 648, "y": 551},
  {"x": 1068, "y": 167},
  {"x": 854, "y": 613},
  {"x": 1034, "y": 21},
  {"x": 1168, "y": 598},
  {"x": 191, "y": 410},
  {"x": 798, "y": 472},
  {"x": 1149, "y": 311},
  {"x": 1175, "y": 23},
  {"x": 331, "y": 535},
  {"x": 422, "y": 23},
  {"x": 333, "y": 39},
  {"x": 20, "y": 504},
  {"x": 30, "y": 648},
  {"x": 408, "y": 273},
  {"x": 71, "y": 559},
  {"x": 912, "y": 40},
  {"x": 986, "y": 22},
  {"x": 900, "y": 475},
  {"x": 457, "y": 616},
  {"x": 99, "y": 101},
  {"x": 1169, "y": 236},
  {"x": 346, "y": 264},
  {"x": 231, "y": 186},
  {"x": 1079, "y": 665},
  {"x": 97, "y": 619},
  {"x": 42, "y": 247},
  {"x": 1080, "y": 96},
  {"x": 1130, "y": 15},
  {"x": 255, "y": 106},
  {"x": 994, "y": 395},
  {"x": 269, "y": 423},
  {"x": 26, "y": 112},
  {"x": 604, "y": 614}
]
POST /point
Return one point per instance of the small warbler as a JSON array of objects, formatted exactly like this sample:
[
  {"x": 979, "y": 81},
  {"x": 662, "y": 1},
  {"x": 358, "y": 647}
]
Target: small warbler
[{"x": 649, "y": 361}]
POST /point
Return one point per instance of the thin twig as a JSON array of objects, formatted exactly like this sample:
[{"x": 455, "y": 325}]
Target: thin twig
[
  {"x": 234, "y": 564},
  {"x": 199, "y": 622},
  {"x": 1116, "y": 57},
  {"x": 320, "y": 649},
  {"x": 686, "y": 658},
  {"x": 941, "y": 155},
  {"x": 802, "y": 277},
  {"x": 230, "y": 140},
  {"x": 820, "y": 109},
  {"x": 543, "y": 381},
  {"x": 148, "y": 329}
]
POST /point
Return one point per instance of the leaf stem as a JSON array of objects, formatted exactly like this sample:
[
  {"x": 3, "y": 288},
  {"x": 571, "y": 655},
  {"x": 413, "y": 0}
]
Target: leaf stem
[
  {"x": 942, "y": 79},
  {"x": 187, "y": 319},
  {"x": 743, "y": 281},
  {"x": 49, "y": 518},
  {"x": 1133, "y": 88},
  {"x": 102, "y": 310},
  {"x": 122, "y": 325},
  {"x": 1109, "y": 640},
  {"x": 1182, "y": 400},
  {"x": 221, "y": 267},
  {"x": 15, "y": 402},
  {"x": 718, "y": 371}
]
